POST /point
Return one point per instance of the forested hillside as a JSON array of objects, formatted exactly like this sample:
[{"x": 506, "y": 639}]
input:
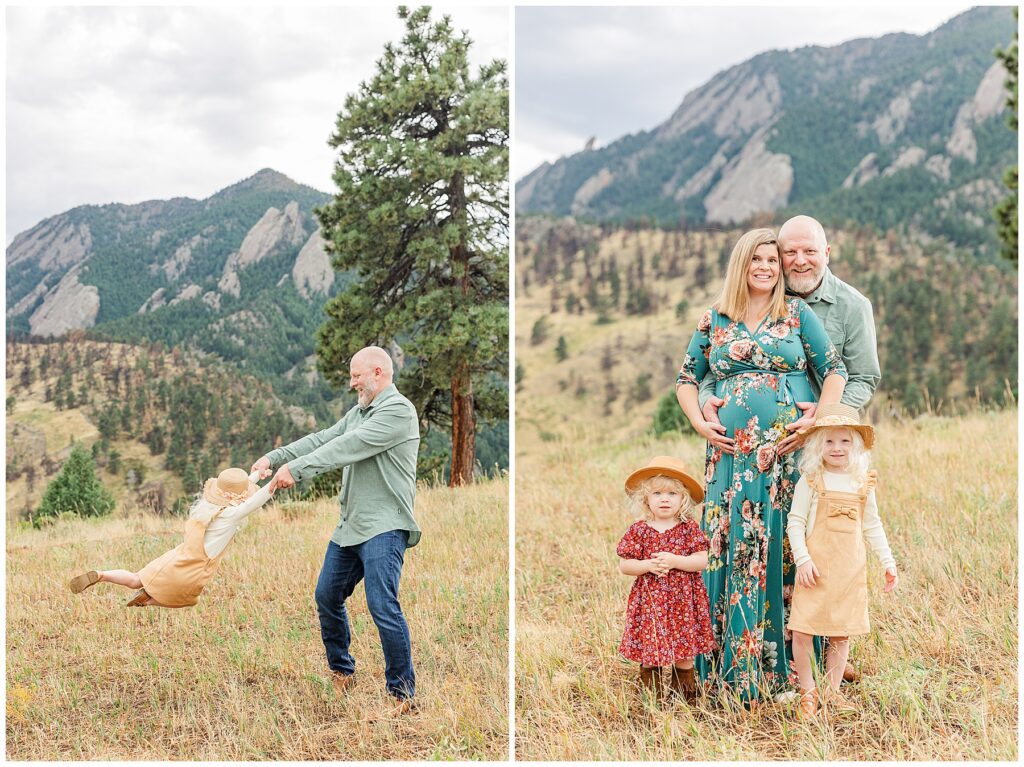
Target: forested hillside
[{"x": 611, "y": 308}]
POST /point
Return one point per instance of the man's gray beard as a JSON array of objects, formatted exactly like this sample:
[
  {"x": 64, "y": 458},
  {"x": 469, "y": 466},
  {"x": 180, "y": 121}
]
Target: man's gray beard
[
  {"x": 366, "y": 397},
  {"x": 804, "y": 284}
]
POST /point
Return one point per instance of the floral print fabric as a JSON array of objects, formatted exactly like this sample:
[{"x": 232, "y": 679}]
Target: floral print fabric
[
  {"x": 667, "y": 617},
  {"x": 750, "y": 573}
]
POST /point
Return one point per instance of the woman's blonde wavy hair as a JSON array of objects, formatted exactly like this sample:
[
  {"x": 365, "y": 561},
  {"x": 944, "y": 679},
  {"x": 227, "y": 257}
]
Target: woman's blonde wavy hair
[
  {"x": 735, "y": 296},
  {"x": 638, "y": 498}
]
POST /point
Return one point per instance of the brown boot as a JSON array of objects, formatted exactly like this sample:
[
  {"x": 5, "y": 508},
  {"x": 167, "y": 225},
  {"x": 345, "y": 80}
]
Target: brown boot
[
  {"x": 684, "y": 684},
  {"x": 651, "y": 680},
  {"x": 808, "y": 704},
  {"x": 850, "y": 674}
]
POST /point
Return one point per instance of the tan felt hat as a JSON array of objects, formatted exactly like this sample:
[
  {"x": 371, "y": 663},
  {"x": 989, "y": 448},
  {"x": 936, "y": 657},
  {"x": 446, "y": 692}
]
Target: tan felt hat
[
  {"x": 666, "y": 466},
  {"x": 229, "y": 487},
  {"x": 841, "y": 416}
]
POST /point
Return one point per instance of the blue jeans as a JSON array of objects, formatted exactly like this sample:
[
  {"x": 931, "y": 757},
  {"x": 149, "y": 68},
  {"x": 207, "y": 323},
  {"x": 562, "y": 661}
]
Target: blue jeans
[{"x": 378, "y": 563}]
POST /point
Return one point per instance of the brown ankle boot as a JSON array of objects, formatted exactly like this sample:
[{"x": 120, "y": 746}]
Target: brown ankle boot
[
  {"x": 651, "y": 680},
  {"x": 808, "y": 708},
  {"x": 684, "y": 684}
]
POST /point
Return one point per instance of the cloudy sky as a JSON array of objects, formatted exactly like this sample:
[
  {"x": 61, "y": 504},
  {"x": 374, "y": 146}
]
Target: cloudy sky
[
  {"x": 125, "y": 104},
  {"x": 606, "y": 72}
]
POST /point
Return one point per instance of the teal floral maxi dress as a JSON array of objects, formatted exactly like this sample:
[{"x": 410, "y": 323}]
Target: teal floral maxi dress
[{"x": 750, "y": 572}]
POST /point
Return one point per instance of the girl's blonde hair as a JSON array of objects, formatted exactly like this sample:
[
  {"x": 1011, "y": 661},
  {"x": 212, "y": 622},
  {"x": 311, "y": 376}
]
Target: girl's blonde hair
[
  {"x": 638, "y": 498},
  {"x": 735, "y": 296},
  {"x": 812, "y": 458}
]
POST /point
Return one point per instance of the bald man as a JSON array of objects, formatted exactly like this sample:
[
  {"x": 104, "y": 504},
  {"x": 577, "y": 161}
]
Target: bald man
[{"x": 376, "y": 443}]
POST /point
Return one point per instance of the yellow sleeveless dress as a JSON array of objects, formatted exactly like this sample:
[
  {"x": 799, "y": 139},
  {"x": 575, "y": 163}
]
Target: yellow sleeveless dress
[
  {"x": 837, "y": 605},
  {"x": 177, "y": 578}
]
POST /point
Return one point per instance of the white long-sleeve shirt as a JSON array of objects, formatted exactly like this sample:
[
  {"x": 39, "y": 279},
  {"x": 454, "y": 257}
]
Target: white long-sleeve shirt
[
  {"x": 805, "y": 504},
  {"x": 222, "y": 529}
]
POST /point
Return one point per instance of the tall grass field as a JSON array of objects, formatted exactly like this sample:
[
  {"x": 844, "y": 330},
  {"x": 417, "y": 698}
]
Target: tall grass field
[
  {"x": 242, "y": 675},
  {"x": 939, "y": 668}
]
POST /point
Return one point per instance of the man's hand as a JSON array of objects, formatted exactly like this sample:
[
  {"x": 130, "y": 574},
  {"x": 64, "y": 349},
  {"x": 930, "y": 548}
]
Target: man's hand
[
  {"x": 715, "y": 431},
  {"x": 263, "y": 467},
  {"x": 806, "y": 575},
  {"x": 792, "y": 442},
  {"x": 283, "y": 478}
]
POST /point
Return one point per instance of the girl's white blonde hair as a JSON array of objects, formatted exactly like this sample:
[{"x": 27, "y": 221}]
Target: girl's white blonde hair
[
  {"x": 735, "y": 296},
  {"x": 812, "y": 457},
  {"x": 641, "y": 510}
]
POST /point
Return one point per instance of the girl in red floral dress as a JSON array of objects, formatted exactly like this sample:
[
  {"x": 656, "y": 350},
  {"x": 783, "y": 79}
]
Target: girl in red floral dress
[{"x": 668, "y": 620}]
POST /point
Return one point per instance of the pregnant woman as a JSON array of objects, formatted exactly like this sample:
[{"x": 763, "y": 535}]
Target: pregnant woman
[{"x": 759, "y": 346}]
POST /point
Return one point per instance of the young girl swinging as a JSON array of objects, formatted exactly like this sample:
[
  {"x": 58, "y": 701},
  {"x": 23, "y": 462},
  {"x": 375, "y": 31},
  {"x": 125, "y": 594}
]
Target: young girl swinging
[
  {"x": 177, "y": 578},
  {"x": 833, "y": 513}
]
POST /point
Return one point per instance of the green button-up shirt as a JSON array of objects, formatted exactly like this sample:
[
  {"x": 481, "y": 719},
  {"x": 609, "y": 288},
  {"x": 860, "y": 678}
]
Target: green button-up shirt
[
  {"x": 377, "y": 445},
  {"x": 850, "y": 323}
]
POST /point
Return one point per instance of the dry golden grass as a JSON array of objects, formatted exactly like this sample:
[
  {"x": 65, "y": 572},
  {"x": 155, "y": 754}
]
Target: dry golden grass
[
  {"x": 242, "y": 675},
  {"x": 940, "y": 664}
]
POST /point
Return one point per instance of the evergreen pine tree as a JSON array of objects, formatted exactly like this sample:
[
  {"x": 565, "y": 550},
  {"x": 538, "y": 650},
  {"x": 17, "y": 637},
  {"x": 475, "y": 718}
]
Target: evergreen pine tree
[
  {"x": 421, "y": 213},
  {"x": 75, "y": 490},
  {"x": 1006, "y": 211}
]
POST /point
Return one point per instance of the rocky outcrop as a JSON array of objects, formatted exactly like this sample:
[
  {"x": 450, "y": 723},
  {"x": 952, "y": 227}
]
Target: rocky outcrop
[
  {"x": 212, "y": 299},
  {"x": 893, "y": 120},
  {"x": 736, "y": 103},
  {"x": 188, "y": 292},
  {"x": 866, "y": 170},
  {"x": 988, "y": 101},
  {"x": 274, "y": 232},
  {"x": 590, "y": 189},
  {"x": 908, "y": 158},
  {"x": 312, "y": 272},
  {"x": 28, "y": 301},
  {"x": 753, "y": 182},
  {"x": 700, "y": 180},
  {"x": 175, "y": 266},
  {"x": 56, "y": 243},
  {"x": 154, "y": 302},
  {"x": 938, "y": 164},
  {"x": 68, "y": 306}
]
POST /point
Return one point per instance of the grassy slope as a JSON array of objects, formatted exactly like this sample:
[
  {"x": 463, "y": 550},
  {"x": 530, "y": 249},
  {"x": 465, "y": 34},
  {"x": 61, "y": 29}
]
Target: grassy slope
[
  {"x": 940, "y": 664},
  {"x": 242, "y": 675}
]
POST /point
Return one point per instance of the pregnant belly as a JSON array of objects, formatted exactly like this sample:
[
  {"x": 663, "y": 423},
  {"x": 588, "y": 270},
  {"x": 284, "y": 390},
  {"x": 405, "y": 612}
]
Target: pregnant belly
[{"x": 757, "y": 396}]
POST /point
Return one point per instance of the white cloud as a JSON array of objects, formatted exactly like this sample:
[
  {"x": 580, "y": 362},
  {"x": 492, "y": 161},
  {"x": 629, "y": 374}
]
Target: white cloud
[{"x": 124, "y": 104}]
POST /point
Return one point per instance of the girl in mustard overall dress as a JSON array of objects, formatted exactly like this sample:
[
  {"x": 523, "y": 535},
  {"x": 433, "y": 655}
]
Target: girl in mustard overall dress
[
  {"x": 177, "y": 578},
  {"x": 833, "y": 513}
]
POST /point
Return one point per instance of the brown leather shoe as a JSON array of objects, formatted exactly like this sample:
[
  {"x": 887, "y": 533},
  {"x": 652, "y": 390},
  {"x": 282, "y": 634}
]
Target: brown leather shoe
[
  {"x": 839, "y": 705},
  {"x": 141, "y": 599},
  {"x": 402, "y": 706},
  {"x": 808, "y": 704},
  {"x": 652, "y": 681},
  {"x": 850, "y": 674},
  {"x": 81, "y": 582},
  {"x": 342, "y": 682},
  {"x": 683, "y": 684}
]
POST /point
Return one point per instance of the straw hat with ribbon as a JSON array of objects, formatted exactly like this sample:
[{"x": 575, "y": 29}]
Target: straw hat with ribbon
[
  {"x": 666, "y": 466},
  {"x": 229, "y": 487},
  {"x": 840, "y": 416}
]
